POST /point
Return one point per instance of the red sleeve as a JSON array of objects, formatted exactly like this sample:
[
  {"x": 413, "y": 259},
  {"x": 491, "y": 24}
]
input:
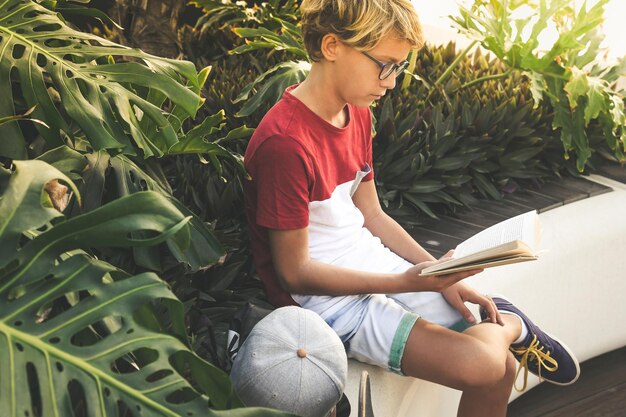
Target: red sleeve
[{"x": 282, "y": 177}]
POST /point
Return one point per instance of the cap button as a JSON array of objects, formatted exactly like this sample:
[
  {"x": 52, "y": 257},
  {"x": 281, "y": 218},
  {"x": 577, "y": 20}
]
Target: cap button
[{"x": 301, "y": 353}]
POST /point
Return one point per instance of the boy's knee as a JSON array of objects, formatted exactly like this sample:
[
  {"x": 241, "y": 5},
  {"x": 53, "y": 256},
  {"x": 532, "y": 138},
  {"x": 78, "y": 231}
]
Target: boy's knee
[{"x": 488, "y": 368}]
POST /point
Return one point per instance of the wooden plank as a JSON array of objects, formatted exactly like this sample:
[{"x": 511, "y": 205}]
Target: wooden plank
[
  {"x": 478, "y": 218},
  {"x": 556, "y": 190},
  {"x": 434, "y": 242},
  {"x": 535, "y": 201},
  {"x": 613, "y": 171},
  {"x": 598, "y": 375},
  {"x": 589, "y": 187},
  {"x": 452, "y": 227},
  {"x": 504, "y": 208},
  {"x": 609, "y": 403}
]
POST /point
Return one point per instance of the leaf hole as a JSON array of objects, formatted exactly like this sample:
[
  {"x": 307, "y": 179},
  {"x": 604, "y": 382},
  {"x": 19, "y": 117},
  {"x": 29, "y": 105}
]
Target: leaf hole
[
  {"x": 130, "y": 331},
  {"x": 59, "y": 366},
  {"x": 143, "y": 184},
  {"x": 69, "y": 74},
  {"x": 19, "y": 347},
  {"x": 107, "y": 392},
  {"x": 84, "y": 88},
  {"x": 134, "y": 361},
  {"x": 41, "y": 60},
  {"x": 123, "y": 409},
  {"x": 74, "y": 58},
  {"x": 46, "y": 226},
  {"x": 18, "y": 51},
  {"x": 57, "y": 43},
  {"x": 103, "y": 89},
  {"x": 54, "y": 340},
  {"x": 14, "y": 6},
  {"x": 50, "y": 27},
  {"x": 17, "y": 292},
  {"x": 181, "y": 396},
  {"x": 54, "y": 308},
  {"x": 33, "y": 386},
  {"x": 77, "y": 398},
  {"x": 18, "y": 323},
  {"x": 163, "y": 373},
  {"x": 20, "y": 31},
  {"x": 97, "y": 331},
  {"x": 33, "y": 13}
]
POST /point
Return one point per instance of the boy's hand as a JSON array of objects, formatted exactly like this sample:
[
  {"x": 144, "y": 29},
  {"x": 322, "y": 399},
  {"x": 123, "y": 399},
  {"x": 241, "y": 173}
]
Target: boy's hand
[
  {"x": 457, "y": 294},
  {"x": 436, "y": 283}
]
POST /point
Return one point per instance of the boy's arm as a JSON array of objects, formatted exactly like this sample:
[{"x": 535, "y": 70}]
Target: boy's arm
[
  {"x": 299, "y": 274},
  {"x": 399, "y": 241},
  {"x": 380, "y": 224}
]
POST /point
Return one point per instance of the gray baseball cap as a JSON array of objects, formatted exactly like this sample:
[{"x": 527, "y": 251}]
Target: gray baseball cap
[{"x": 291, "y": 361}]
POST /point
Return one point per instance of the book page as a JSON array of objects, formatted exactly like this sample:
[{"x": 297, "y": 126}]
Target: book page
[{"x": 524, "y": 227}]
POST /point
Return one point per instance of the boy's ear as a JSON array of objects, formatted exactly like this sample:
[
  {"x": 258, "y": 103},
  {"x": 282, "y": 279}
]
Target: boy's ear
[{"x": 330, "y": 46}]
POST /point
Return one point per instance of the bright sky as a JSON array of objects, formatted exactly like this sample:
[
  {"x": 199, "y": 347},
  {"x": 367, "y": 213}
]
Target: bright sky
[{"x": 434, "y": 13}]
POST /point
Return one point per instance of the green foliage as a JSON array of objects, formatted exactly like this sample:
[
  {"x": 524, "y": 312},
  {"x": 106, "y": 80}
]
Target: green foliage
[
  {"x": 479, "y": 141},
  {"x": 72, "y": 77},
  {"x": 271, "y": 85},
  {"x": 81, "y": 337},
  {"x": 271, "y": 27},
  {"x": 289, "y": 39},
  {"x": 226, "y": 14},
  {"x": 107, "y": 178},
  {"x": 578, "y": 87}
]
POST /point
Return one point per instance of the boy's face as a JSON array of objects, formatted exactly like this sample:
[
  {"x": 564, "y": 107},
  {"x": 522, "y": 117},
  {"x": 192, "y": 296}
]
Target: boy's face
[{"x": 357, "y": 75}]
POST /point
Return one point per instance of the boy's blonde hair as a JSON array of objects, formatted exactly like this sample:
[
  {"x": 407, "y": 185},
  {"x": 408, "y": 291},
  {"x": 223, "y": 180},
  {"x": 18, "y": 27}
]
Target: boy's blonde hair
[{"x": 359, "y": 23}]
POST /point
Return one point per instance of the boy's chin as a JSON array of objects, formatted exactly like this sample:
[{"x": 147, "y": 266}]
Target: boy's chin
[{"x": 366, "y": 102}]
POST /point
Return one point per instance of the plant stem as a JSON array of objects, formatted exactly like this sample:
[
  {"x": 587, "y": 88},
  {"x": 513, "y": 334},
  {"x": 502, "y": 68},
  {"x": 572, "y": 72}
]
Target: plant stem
[
  {"x": 486, "y": 78},
  {"x": 451, "y": 68}
]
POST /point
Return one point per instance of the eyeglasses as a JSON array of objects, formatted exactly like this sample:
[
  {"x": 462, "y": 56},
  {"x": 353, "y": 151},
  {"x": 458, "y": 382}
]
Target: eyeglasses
[{"x": 386, "y": 69}]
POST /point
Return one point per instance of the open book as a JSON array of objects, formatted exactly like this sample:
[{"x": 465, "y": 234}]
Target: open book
[{"x": 510, "y": 241}]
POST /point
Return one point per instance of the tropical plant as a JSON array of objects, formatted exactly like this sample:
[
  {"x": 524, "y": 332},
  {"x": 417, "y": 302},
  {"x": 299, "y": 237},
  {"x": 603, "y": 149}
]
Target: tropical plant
[
  {"x": 80, "y": 336},
  {"x": 476, "y": 143},
  {"x": 569, "y": 74},
  {"x": 226, "y": 14},
  {"x": 72, "y": 77},
  {"x": 118, "y": 106}
]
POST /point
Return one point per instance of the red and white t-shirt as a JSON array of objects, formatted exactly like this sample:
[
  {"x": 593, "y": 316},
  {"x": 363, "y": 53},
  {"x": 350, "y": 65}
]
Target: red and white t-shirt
[{"x": 303, "y": 173}]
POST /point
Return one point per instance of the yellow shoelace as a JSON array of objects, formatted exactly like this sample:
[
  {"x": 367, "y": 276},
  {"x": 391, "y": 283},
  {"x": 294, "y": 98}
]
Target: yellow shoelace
[{"x": 533, "y": 353}]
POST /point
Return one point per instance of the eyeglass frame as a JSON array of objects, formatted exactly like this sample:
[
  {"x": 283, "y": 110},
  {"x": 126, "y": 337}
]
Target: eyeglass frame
[{"x": 397, "y": 68}]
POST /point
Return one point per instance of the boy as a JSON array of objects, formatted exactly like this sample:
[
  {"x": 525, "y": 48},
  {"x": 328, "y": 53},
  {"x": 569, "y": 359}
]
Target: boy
[{"x": 321, "y": 240}]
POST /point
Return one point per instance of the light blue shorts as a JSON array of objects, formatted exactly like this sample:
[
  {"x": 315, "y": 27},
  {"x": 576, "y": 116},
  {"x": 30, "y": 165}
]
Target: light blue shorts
[{"x": 375, "y": 327}]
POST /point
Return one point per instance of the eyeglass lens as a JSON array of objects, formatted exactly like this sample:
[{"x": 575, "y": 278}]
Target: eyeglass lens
[{"x": 388, "y": 69}]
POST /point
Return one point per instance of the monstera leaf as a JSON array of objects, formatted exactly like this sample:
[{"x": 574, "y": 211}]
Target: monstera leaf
[
  {"x": 73, "y": 77},
  {"x": 81, "y": 337}
]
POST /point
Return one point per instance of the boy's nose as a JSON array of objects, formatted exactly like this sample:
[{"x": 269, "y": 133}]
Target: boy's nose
[{"x": 390, "y": 82}]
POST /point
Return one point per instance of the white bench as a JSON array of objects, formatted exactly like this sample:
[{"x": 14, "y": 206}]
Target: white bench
[{"x": 575, "y": 290}]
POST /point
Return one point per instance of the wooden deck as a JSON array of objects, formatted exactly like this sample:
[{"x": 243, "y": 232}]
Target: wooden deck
[
  {"x": 439, "y": 235},
  {"x": 600, "y": 392}
]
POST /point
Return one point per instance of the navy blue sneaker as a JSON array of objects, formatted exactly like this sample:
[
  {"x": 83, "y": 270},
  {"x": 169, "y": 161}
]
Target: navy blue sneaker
[{"x": 540, "y": 353}]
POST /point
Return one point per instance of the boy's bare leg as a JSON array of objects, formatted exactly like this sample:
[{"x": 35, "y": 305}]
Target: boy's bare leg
[{"x": 476, "y": 362}]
